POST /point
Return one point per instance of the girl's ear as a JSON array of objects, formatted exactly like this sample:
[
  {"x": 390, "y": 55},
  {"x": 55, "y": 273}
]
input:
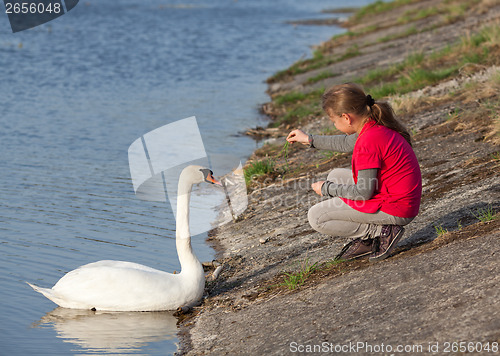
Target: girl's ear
[{"x": 347, "y": 118}]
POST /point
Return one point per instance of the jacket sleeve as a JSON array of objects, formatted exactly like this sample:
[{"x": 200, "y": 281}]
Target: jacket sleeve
[
  {"x": 363, "y": 190},
  {"x": 337, "y": 143}
]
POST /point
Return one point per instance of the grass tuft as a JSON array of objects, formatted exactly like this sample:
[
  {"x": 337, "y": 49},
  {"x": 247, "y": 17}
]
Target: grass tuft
[
  {"x": 440, "y": 230},
  {"x": 485, "y": 214},
  {"x": 258, "y": 168},
  {"x": 295, "y": 280},
  {"x": 266, "y": 166}
]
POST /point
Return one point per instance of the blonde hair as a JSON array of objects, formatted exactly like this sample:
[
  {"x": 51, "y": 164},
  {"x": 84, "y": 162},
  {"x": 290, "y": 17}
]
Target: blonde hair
[{"x": 350, "y": 98}]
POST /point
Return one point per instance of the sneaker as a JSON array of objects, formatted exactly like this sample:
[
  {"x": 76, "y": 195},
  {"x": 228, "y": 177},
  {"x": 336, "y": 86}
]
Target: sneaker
[
  {"x": 384, "y": 244},
  {"x": 355, "y": 249}
]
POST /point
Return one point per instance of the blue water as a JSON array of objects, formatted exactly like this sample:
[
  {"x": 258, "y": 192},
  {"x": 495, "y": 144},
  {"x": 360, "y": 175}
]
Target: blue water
[{"x": 76, "y": 92}]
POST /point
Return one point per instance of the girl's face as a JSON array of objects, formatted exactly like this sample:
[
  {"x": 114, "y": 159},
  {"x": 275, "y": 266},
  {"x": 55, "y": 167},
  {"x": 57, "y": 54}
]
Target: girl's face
[{"x": 342, "y": 123}]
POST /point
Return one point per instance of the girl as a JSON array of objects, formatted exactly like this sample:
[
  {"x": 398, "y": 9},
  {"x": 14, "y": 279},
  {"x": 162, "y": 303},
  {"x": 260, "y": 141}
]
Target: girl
[{"x": 372, "y": 203}]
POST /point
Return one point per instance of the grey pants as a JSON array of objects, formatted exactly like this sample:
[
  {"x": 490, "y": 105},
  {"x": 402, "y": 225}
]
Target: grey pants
[{"x": 334, "y": 217}]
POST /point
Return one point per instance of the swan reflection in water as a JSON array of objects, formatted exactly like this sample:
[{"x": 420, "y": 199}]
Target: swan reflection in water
[{"x": 111, "y": 332}]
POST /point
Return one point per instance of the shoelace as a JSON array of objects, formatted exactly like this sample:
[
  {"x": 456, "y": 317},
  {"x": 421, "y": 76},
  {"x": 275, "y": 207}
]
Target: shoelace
[
  {"x": 386, "y": 230},
  {"x": 376, "y": 244}
]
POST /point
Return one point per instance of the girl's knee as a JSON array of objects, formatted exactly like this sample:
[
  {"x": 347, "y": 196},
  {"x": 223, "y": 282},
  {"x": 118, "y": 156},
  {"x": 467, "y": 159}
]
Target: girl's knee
[{"x": 312, "y": 217}]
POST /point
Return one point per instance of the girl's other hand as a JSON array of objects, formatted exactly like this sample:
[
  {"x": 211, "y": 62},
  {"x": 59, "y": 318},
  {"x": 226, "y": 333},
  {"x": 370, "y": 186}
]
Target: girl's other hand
[
  {"x": 317, "y": 187},
  {"x": 298, "y": 136}
]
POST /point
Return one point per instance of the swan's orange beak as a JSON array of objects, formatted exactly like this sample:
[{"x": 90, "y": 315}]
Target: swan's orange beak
[{"x": 211, "y": 179}]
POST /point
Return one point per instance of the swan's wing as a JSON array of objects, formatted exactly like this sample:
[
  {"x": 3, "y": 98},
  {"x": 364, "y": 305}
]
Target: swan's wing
[
  {"x": 117, "y": 285},
  {"x": 118, "y": 264}
]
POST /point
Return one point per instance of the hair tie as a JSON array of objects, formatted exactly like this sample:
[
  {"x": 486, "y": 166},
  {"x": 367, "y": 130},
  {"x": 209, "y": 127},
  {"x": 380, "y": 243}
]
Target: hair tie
[{"x": 369, "y": 100}]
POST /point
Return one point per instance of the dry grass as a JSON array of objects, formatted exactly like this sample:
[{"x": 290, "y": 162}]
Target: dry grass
[
  {"x": 482, "y": 88},
  {"x": 494, "y": 107},
  {"x": 410, "y": 105},
  {"x": 485, "y": 5},
  {"x": 363, "y": 23}
]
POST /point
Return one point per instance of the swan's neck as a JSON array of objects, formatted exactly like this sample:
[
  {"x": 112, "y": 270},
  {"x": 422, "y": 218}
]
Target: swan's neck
[{"x": 187, "y": 258}]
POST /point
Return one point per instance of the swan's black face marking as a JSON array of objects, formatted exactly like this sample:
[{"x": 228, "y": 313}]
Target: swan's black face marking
[{"x": 209, "y": 178}]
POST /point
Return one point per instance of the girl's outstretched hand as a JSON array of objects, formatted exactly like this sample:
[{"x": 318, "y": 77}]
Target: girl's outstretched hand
[
  {"x": 298, "y": 136},
  {"x": 317, "y": 187}
]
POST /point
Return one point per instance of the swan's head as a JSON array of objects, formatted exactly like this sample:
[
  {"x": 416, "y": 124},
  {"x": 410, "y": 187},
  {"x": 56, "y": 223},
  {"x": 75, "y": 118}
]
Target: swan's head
[
  {"x": 208, "y": 176},
  {"x": 199, "y": 174}
]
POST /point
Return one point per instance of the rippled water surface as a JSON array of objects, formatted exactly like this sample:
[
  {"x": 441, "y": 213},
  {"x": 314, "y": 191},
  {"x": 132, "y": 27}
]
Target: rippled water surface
[{"x": 75, "y": 94}]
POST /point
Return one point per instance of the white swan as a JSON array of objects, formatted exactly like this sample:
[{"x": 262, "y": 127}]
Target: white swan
[{"x": 127, "y": 286}]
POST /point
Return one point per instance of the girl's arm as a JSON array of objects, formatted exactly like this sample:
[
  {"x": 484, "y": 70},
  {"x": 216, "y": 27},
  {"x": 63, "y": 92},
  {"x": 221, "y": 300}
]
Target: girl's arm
[
  {"x": 337, "y": 143},
  {"x": 363, "y": 190}
]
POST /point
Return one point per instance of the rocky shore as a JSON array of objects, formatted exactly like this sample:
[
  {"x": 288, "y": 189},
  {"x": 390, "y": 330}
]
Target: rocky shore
[{"x": 279, "y": 291}]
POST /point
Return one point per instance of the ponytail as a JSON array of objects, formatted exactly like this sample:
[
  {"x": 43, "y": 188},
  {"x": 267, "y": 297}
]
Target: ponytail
[
  {"x": 383, "y": 114},
  {"x": 350, "y": 98}
]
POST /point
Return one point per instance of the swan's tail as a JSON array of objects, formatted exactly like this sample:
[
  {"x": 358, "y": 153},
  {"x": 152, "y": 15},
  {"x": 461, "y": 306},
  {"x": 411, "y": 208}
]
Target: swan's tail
[{"x": 47, "y": 292}]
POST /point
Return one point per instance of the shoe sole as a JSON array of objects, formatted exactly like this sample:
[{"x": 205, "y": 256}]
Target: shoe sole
[
  {"x": 356, "y": 257},
  {"x": 390, "y": 248},
  {"x": 345, "y": 249}
]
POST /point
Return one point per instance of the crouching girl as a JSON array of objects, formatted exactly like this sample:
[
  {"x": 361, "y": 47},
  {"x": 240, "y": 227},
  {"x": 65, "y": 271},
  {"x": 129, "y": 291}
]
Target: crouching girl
[{"x": 372, "y": 202}]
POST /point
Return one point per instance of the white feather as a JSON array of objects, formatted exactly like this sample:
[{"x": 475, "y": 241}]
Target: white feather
[{"x": 126, "y": 286}]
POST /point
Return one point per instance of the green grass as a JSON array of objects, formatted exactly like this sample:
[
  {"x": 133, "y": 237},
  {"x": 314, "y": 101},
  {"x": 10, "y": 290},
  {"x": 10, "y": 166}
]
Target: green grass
[
  {"x": 297, "y": 106},
  {"x": 333, "y": 263},
  {"x": 485, "y": 214},
  {"x": 341, "y": 36},
  {"x": 452, "y": 115},
  {"x": 419, "y": 70},
  {"x": 291, "y": 97},
  {"x": 303, "y": 66},
  {"x": 323, "y": 75},
  {"x": 456, "y": 12},
  {"x": 296, "y": 279},
  {"x": 329, "y": 154},
  {"x": 379, "y": 7},
  {"x": 440, "y": 230},
  {"x": 380, "y": 74},
  {"x": 295, "y": 96},
  {"x": 449, "y": 11},
  {"x": 411, "y": 15},
  {"x": 266, "y": 166},
  {"x": 352, "y": 51},
  {"x": 258, "y": 168},
  {"x": 298, "y": 113},
  {"x": 408, "y": 32},
  {"x": 284, "y": 152},
  {"x": 413, "y": 80},
  {"x": 319, "y": 60},
  {"x": 414, "y": 59}
]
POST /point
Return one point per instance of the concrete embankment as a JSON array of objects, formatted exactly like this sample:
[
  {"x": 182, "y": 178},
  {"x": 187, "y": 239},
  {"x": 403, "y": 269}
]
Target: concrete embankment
[{"x": 437, "y": 63}]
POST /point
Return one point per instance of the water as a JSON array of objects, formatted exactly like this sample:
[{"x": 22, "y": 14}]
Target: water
[{"x": 75, "y": 94}]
